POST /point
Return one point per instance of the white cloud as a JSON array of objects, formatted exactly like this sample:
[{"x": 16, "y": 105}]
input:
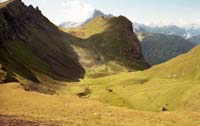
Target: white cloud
[
  {"x": 74, "y": 10},
  {"x": 59, "y": 11}
]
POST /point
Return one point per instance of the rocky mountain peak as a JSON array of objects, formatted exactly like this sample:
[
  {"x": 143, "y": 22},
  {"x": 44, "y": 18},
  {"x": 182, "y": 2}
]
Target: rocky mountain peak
[{"x": 15, "y": 16}]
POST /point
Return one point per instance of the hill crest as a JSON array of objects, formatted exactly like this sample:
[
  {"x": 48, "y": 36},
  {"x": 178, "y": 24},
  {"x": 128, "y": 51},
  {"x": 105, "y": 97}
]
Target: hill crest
[{"x": 114, "y": 40}]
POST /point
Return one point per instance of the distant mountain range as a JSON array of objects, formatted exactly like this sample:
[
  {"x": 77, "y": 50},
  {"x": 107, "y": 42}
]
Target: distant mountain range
[
  {"x": 159, "y": 48},
  {"x": 190, "y": 32},
  {"x": 162, "y": 43},
  {"x": 69, "y": 24},
  {"x": 186, "y": 32}
]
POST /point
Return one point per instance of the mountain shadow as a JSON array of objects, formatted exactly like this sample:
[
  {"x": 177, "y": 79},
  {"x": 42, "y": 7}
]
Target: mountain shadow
[{"x": 32, "y": 49}]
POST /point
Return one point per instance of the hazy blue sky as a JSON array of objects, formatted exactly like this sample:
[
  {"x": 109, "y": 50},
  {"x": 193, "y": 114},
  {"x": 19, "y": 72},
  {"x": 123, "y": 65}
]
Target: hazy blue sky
[{"x": 144, "y": 11}]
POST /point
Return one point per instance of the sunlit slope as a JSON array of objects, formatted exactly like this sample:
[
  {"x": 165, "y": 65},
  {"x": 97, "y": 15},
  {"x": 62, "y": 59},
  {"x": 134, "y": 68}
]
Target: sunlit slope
[
  {"x": 95, "y": 26},
  {"x": 186, "y": 66},
  {"x": 109, "y": 44},
  {"x": 137, "y": 91},
  {"x": 29, "y": 108},
  {"x": 174, "y": 86}
]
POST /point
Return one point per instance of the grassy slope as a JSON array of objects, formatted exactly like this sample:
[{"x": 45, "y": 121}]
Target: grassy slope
[
  {"x": 138, "y": 92},
  {"x": 30, "y": 108},
  {"x": 161, "y": 86},
  {"x": 34, "y": 50},
  {"x": 141, "y": 90},
  {"x": 184, "y": 66},
  {"x": 34, "y": 68},
  {"x": 95, "y": 26}
]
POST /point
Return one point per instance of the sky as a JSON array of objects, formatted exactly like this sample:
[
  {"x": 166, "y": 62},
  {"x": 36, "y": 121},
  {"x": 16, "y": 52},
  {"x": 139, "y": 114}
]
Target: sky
[{"x": 159, "y": 12}]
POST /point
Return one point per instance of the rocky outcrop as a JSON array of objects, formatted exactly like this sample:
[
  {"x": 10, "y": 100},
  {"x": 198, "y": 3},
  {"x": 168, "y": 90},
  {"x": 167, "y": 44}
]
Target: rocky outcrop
[
  {"x": 130, "y": 35},
  {"x": 121, "y": 29}
]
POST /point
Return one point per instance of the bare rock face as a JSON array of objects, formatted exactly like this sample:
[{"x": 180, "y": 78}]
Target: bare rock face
[
  {"x": 121, "y": 29},
  {"x": 31, "y": 47},
  {"x": 136, "y": 48},
  {"x": 16, "y": 17}
]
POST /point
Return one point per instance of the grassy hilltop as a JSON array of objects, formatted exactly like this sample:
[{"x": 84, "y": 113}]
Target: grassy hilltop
[{"x": 109, "y": 46}]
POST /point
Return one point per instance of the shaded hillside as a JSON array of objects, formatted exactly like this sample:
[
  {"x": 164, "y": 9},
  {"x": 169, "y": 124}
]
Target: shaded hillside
[
  {"x": 2, "y": 74},
  {"x": 109, "y": 45},
  {"x": 159, "y": 48},
  {"x": 32, "y": 48}
]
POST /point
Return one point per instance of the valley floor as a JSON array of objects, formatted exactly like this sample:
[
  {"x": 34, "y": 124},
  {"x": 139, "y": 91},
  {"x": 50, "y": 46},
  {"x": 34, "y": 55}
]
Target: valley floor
[{"x": 18, "y": 107}]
